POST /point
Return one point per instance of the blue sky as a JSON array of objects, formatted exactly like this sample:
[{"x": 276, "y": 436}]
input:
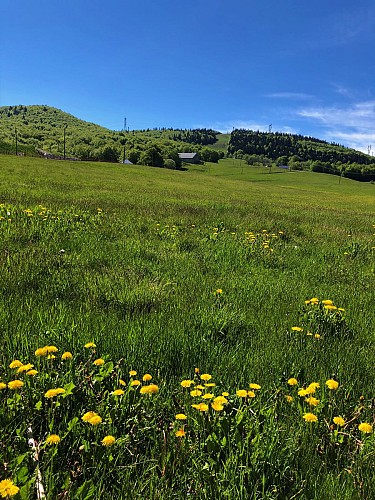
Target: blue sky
[{"x": 304, "y": 67}]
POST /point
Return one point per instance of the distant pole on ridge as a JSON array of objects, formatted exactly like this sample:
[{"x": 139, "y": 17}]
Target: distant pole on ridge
[
  {"x": 124, "y": 124},
  {"x": 270, "y": 128}
]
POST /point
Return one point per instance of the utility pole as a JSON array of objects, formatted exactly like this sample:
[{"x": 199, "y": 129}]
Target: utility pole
[{"x": 64, "y": 139}]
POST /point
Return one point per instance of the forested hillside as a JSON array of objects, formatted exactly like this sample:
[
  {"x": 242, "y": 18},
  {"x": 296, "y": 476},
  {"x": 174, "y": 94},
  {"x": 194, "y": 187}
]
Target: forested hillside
[
  {"x": 28, "y": 129},
  {"x": 298, "y": 152}
]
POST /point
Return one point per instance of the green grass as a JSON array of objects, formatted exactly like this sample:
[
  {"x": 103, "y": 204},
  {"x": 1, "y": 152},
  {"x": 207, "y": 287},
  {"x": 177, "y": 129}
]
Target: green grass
[{"x": 131, "y": 258}]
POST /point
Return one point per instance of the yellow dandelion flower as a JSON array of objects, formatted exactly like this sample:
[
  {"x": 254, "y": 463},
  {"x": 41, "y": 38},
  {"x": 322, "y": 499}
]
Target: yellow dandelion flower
[
  {"x": 206, "y": 377},
  {"x": 25, "y": 368},
  {"x": 51, "y": 356},
  {"x": 250, "y": 394},
  {"x": 67, "y": 355},
  {"x": 99, "y": 362},
  {"x": 31, "y": 373},
  {"x": 135, "y": 383},
  {"x": 16, "y": 363},
  {"x": 90, "y": 344},
  {"x": 108, "y": 440},
  {"x": 51, "y": 393},
  {"x": 147, "y": 377},
  {"x": 330, "y": 307},
  {"x": 196, "y": 370},
  {"x": 210, "y": 384},
  {"x": 53, "y": 439},
  {"x": 180, "y": 433},
  {"x": 187, "y": 383},
  {"x": 255, "y": 386},
  {"x": 225, "y": 394},
  {"x": 118, "y": 392},
  {"x": 180, "y": 416},
  {"x": 241, "y": 393},
  {"x": 42, "y": 351},
  {"x": 2, "y": 386},
  {"x": 332, "y": 384},
  {"x": 221, "y": 399},
  {"x": 339, "y": 421},
  {"x": 88, "y": 416},
  {"x": 317, "y": 336},
  {"x": 200, "y": 387},
  {"x": 217, "y": 406},
  {"x": 149, "y": 389},
  {"x": 15, "y": 384},
  {"x": 310, "y": 417},
  {"x": 327, "y": 302},
  {"x": 51, "y": 348},
  {"x": 208, "y": 395},
  {"x": 297, "y": 329},
  {"x": 312, "y": 401},
  {"x": 95, "y": 420},
  {"x": 201, "y": 407},
  {"x": 122, "y": 382},
  {"x": 132, "y": 373},
  {"x": 195, "y": 393},
  {"x": 365, "y": 427},
  {"x": 302, "y": 392},
  {"x": 289, "y": 398},
  {"x": 292, "y": 381},
  {"x": 8, "y": 489}
]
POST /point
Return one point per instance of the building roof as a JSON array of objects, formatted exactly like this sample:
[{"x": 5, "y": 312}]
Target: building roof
[{"x": 187, "y": 156}]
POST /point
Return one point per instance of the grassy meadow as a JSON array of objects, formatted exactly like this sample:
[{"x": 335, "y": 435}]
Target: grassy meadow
[{"x": 201, "y": 279}]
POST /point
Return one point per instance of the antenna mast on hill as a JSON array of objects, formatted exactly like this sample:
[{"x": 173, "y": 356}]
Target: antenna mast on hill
[
  {"x": 124, "y": 124},
  {"x": 270, "y": 128},
  {"x": 369, "y": 149}
]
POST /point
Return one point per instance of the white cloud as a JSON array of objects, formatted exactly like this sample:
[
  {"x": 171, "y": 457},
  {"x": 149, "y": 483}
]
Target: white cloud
[{"x": 353, "y": 126}]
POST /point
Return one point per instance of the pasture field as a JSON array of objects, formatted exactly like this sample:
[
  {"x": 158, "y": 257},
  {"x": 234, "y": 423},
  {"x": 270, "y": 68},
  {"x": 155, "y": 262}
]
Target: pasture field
[{"x": 246, "y": 293}]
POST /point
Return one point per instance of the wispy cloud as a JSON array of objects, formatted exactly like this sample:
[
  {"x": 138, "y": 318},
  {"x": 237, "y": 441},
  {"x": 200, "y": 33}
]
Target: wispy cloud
[
  {"x": 290, "y": 95},
  {"x": 352, "y": 125}
]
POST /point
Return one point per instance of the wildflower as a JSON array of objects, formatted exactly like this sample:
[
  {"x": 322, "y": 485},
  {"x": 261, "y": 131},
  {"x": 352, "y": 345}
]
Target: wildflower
[
  {"x": 317, "y": 336},
  {"x": 302, "y": 392},
  {"x": 206, "y": 377},
  {"x": 297, "y": 329},
  {"x": 53, "y": 439},
  {"x": 292, "y": 381},
  {"x": 31, "y": 373},
  {"x": 51, "y": 393},
  {"x": 312, "y": 401},
  {"x": 99, "y": 362},
  {"x": 187, "y": 383},
  {"x": 332, "y": 384},
  {"x": 289, "y": 398},
  {"x": 180, "y": 416},
  {"x": 219, "y": 291},
  {"x": 90, "y": 344},
  {"x": 2, "y": 386},
  {"x": 180, "y": 433},
  {"x": 330, "y": 307},
  {"x": 195, "y": 393},
  {"x": 241, "y": 393},
  {"x": 314, "y": 301},
  {"x": 15, "y": 384},
  {"x": 327, "y": 302},
  {"x": 16, "y": 363},
  {"x": 217, "y": 406},
  {"x": 51, "y": 356},
  {"x": 95, "y": 420},
  {"x": 339, "y": 421},
  {"x": 225, "y": 394},
  {"x": 310, "y": 417},
  {"x": 365, "y": 427},
  {"x": 210, "y": 385},
  {"x": 42, "y": 351},
  {"x": 147, "y": 377},
  {"x": 251, "y": 394},
  {"x": 118, "y": 392},
  {"x": 254, "y": 386},
  {"x": 8, "y": 488},
  {"x": 149, "y": 389},
  {"x": 221, "y": 399},
  {"x": 208, "y": 395},
  {"x": 25, "y": 368},
  {"x": 50, "y": 349},
  {"x": 67, "y": 355},
  {"x": 201, "y": 407},
  {"x": 196, "y": 370},
  {"x": 88, "y": 416},
  {"x": 122, "y": 382},
  {"x": 200, "y": 387},
  {"x": 132, "y": 373},
  {"x": 135, "y": 383},
  {"x": 108, "y": 440}
]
